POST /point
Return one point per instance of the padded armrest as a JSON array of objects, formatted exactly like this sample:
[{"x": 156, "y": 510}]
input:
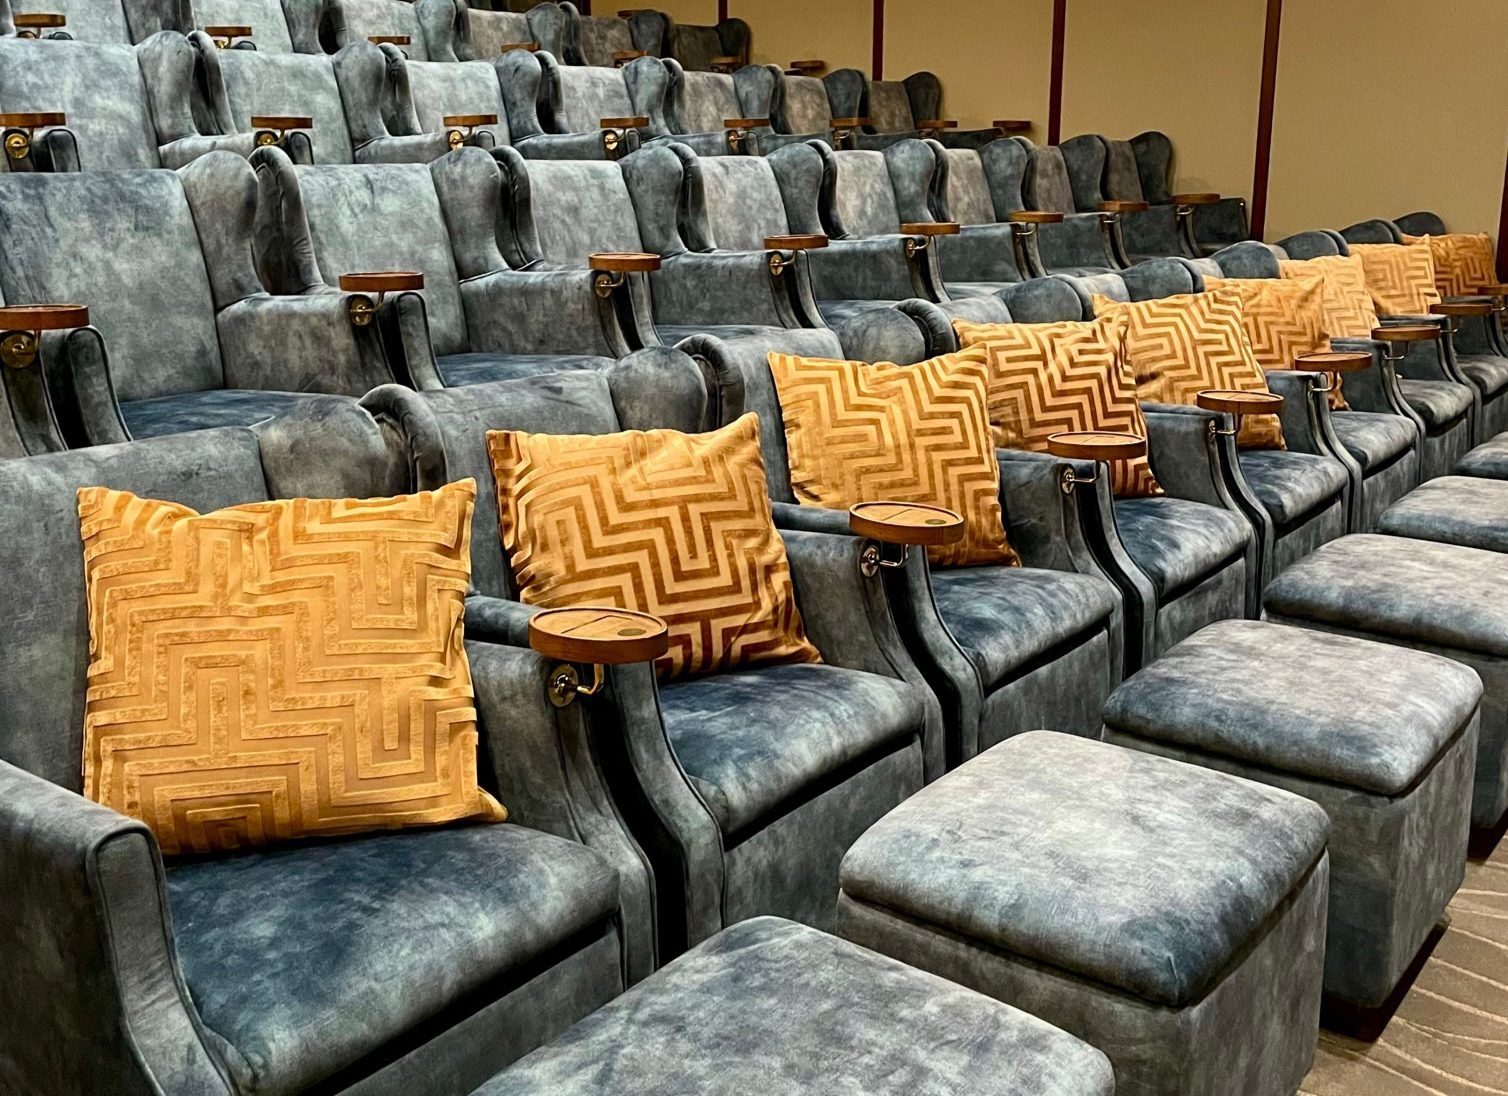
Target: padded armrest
[
  {"x": 967, "y": 138},
  {"x": 872, "y": 268},
  {"x": 55, "y": 151},
  {"x": 301, "y": 344},
  {"x": 720, "y": 287},
  {"x": 1042, "y": 521},
  {"x": 175, "y": 154},
  {"x": 1374, "y": 389},
  {"x": 1079, "y": 240},
  {"x": 1302, "y": 405},
  {"x": 1179, "y": 450},
  {"x": 77, "y": 364},
  {"x": 541, "y": 312},
  {"x": 810, "y": 519},
  {"x": 413, "y": 148},
  {"x": 572, "y": 146}
]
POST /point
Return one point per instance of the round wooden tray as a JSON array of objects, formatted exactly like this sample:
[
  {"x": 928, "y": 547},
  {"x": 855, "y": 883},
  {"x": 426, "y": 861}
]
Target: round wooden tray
[
  {"x": 34, "y": 119},
  {"x": 1334, "y": 361},
  {"x": 527, "y": 47},
  {"x": 795, "y": 242},
  {"x": 1461, "y": 308},
  {"x": 808, "y": 66},
  {"x": 725, "y": 62},
  {"x": 849, "y": 123},
  {"x": 1203, "y": 198},
  {"x": 906, "y": 523},
  {"x": 1407, "y": 332},
  {"x": 1106, "y": 445},
  {"x": 931, "y": 228},
  {"x": 469, "y": 121},
  {"x": 635, "y": 121},
  {"x": 1122, "y": 207},
  {"x": 1011, "y": 125},
  {"x": 381, "y": 281},
  {"x": 745, "y": 123},
  {"x": 32, "y": 20},
  {"x": 282, "y": 121},
  {"x": 619, "y": 56},
  {"x": 937, "y": 123},
  {"x": 389, "y": 39},
  {"x": 1037, "y": 217},
  {"x": 598, "y": 636},
  {"x": 625, "y": 262},
  {"x": 228, "y": 32},
  {"x": 44, "y": 317},
  {"x": 1240, "y": 403}
]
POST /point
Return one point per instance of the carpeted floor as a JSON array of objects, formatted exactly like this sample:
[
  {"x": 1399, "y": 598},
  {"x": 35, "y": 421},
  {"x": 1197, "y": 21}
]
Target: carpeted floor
[{"x": 1449, "y": 1036}]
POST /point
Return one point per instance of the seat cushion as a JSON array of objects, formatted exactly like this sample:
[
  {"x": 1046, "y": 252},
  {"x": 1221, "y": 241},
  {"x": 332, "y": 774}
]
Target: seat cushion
[
  {"x": 1291, "y": 486},
  {"x": 457, "y": 370},
  {"x": 305, "y": 959},
  {"x": 1374, "y": 439},
  {"x": 211, "y": 408},
  {"x": 762, "y": 1006},
  {"x": 745, "y": 764},
  {"x": 1454, "y": 510},
  {"x": 874, "y": 331},
  {"x": 1488, "y": 460},
  {"x": 1489, "y": 372},
  {"x": 1140, "y": 873},
  {"x": 1178, "y": 543},
  {"x": 1417, "y": 591},
  {"x": 1439, "y": 403},
  {"x": 1245, "y": 689},
  {"x": 1007, "y": 617}
]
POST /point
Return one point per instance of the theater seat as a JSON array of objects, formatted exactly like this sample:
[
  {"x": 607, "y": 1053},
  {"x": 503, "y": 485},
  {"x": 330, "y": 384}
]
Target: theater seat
[
  {"x": 1292, "y": 486},
  {"x": 1440, "y": 404},
  {"x": 1179, "y": 543},
  {"x": 1374, "y": 439},
  {"x": 370, "y": 938},
  {"x": 175, "y": 414}
]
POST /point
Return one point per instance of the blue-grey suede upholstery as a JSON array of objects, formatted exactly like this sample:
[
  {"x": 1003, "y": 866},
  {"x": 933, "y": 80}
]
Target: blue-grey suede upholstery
[
  {"x": 1469, "y": 510},
  {"x": 778, "y": 1008},
  {"x": 186, "y": 318},
  {"x": 116, "y": 22},
  {"x": 699, "y": 104},
  {"x": 1489, "y": 460},
  {"x": 895, "y": 108},
  {"x": 1422, "y": 595},
  {"x": 1171, "y": 916},
  {"x": 439, "y": 954},
  {"x": 593, "y": 39},
  {"x": 746, "y": 787},
  {"x": 277, "y": 26},
  {"x": 696, "y": 47},
  {"x": 1385, "y": 740}
]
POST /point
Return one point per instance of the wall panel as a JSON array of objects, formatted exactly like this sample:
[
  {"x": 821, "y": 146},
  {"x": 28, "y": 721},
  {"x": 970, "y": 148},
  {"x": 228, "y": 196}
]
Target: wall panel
[
  {"x": 682, "y": 11},
  {"x": 1386, "y": 107},
  {"x": 839, "y": 32}
]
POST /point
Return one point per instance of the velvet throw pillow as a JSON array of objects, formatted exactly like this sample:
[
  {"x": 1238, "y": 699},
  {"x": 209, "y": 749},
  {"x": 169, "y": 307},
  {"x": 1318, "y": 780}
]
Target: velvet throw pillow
[
  {"x": 281, "y": 669},
  {"x": 1046, "y": 378},
  {"x": 1349, "y": 311},
  {"x": 1400, "y": 278},
  {"x": 1284, "y": 318},
  {"x": 908, "y": 433},
  {"x": 1464, "y": 261},
  {"x": 675, "y": 525},
  {"x": 1181, "y": 345}
]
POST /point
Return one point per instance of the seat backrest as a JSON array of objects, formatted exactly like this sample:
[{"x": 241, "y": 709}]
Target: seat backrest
[
  {"x": 125, "y": 244},
  {"x": 1047, "y": 187},
  {"x": 968, "y": 193},
  {"x": 440, "y": 88},
  {"x": 584, "y": 95},
  {"x": 565, "y": 210},
  {"x": 1314, "y": 244},
  {"x": 695, "y": 46},
  {"x": 288, "y": 84},
  {"x": 1373, "y": 231},
  {"x": 119, "y": 22},
  {"x": 1122, "y": 177},
  {"x": 740, "y": 201},
  {"x": 384, "y": 217},
  {"x": 888, "y": 107},
  {"x": 269, "y": 26},
  {"x": 1154, "y": 165},
  {"x": 801, "y": 106},
  {"x": 598, "y": 37},
  {"x": 863, "y": 195},
  {"x": 1084, "y": 160},
  {"x": 699, "y": 102},
  {"x": 1248, "y": 259},
  {"x": 98, "y": 86},
  {"x": 365, "y": 18}
]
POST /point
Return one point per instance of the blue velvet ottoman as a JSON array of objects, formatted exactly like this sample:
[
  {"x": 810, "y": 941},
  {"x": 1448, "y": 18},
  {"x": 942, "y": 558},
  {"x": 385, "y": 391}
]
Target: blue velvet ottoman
[
  {"x": 1453, "y": 510},
  {"x": 1488, "y": 460},
  {"x": 1171, "y": 916},
  {"x": 1445, "y": 599},
  {"x": 1383, "y": 739},
  {"x": 775, "y": 1008}
]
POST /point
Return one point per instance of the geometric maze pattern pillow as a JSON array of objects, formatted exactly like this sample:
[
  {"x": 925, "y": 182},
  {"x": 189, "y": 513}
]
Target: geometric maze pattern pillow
[
  {"x": 1400, "y": 278},
  {"x": 1181, "y": 345},
  {"x": 1284, "y": 319},
  {"x": 282, "y": 669},
  {"x": 1052, "y": 377},
  {"x": 1464, "y": 261},
  {"x": 675, "y": 525},
  {"x": 905, "y": 433},
  {"x": 1349, "y": 311}
]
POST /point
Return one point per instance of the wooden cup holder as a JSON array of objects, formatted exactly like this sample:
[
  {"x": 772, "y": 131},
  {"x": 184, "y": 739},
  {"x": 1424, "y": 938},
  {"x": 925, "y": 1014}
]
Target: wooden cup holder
[
  {"x": 271, "y": 128},
  {"x": 22, "y": 326},
  {"x": 226, "y": 36},
  {"x": 777, "y": 246},
  {"x": 1232, "y": 402},
  {"x": 527, "y": 47},
  {"x": 362, "y": 308},
  {"x": 624, "y": 56},
  {"x": 1334, "y": 361},
  {"x": 905, "y": 524},
  {"x": 1406, "y": 332},
  {"x": 30, "y": 24},
  {"x": 1201, "y": 199},
  {"x": 614, "y": 267},
  {"x": 840, "y": 124},
  {"x": 1496, "y": 289},
  {"x": 726, "y": 64},
  {"x": 389, "y": 39},
  {"x": 926, "y": 230},
  {"x": 596, "y": 637},
  {"x": 1455, "y": 309},
  {"x": 808, "y": 67},
  {"x": 933, "y": 125},
  {"x": 18, "y": 144},
  {"x": 738, "y": 130},
  {"x": 1119, "y": 206},
  {"x": 462, "y": 127},
  {"x": 1009, "y": 126},
  {"x": 1036, "y": 217},
  {"x": 1097, "y": 445}
]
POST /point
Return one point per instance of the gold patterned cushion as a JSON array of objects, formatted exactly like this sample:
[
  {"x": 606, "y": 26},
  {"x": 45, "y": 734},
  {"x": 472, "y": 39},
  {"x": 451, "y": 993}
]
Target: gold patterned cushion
[
  {"x": 1046, "y": 378},
  {"x": 675, "y": 525},
  {"x": 1284, "y": 319},
  {"x": 1179, "y": 346},
  {"x": 1464, "y": 261},
  {"x": 914, "y": 433},
  {"x": 280, "y": 669},
  {"x": 1400, "y": 278},
  {"x": 1349, "y": 312}
]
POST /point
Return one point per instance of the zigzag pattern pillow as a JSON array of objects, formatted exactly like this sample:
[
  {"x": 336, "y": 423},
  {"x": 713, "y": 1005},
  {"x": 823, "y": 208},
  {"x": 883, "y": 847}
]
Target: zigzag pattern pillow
[
  {"x": 1051, "y": 377},
  {"x": 281, "y": 669},
  {"x": 914, "y": 433},
  {"x": 1400, "y": 278},
  {"x": 1464, "y": 261},
  {"x": 1284, "y": 319},
  {"x": 1181, "y": 345},
  {"x": 675, "y": 525},
  {"x": 1349, "y": 312}
]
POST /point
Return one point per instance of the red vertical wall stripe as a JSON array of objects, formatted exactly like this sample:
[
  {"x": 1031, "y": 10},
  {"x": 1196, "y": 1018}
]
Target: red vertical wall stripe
[
  {"x": 1055, "y": 78},
  {"x": 1264, "y": 118},
  {"x": 877, "y": 57},
  {"x": 1503, "y": 231},
  {"x": 722, "y": 10}
]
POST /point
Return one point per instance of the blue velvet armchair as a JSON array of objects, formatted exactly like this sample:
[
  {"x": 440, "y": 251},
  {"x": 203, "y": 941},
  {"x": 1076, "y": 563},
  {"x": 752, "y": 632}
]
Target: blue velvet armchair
[
  {"x": 278, "y": 26},
  {"x": 706, "y": 48},
  {"x": 1023, "y": 175},
  {"x": 895, "y": 110},
  {"x": 370, "y": 963},
  {"x": 601, "y": 41}
]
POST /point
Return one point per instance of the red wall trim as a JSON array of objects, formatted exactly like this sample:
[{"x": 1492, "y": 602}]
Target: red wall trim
[
  {"x": 1503, "y": 231},
  {"x": 877, "y": 58},
  {"x": 722, "y": 10},
  {"x": 1055, "y": 79},
  {"x": 1264, "y": 118}
]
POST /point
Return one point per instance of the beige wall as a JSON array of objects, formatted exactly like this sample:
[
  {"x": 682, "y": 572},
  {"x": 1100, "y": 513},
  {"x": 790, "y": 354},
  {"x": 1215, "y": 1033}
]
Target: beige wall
[
  {"x": 1371, "y": 119},
  {"x": 839, "y": 32},
  {"x": 682, "y": 11},
  {"x": 999, "y": 69}
]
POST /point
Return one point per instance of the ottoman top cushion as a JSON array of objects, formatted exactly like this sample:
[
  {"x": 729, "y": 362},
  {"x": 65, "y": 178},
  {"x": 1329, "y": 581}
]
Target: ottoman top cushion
[
  {"x": 1349, "y": 711},
  {"x": 1454, "y": 509},
  {"x": 1144, "y": 874},
  {"x": 777, "y": 1008},
  {"x": 1442, "y": 595},
  {"x": 1490, "y": 459}
]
